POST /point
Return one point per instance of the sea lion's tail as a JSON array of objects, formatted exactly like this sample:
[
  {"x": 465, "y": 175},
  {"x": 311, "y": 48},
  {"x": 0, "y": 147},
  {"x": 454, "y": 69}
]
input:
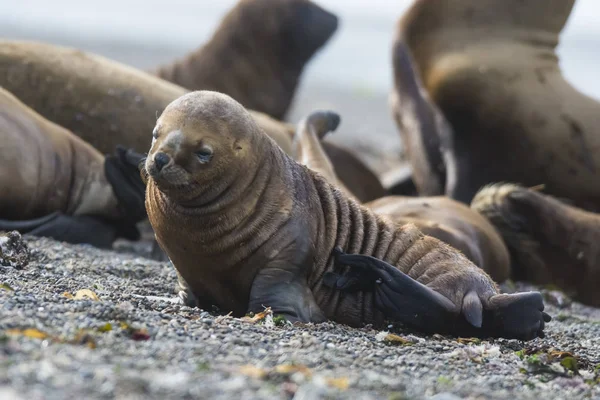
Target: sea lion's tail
[{"x": 500, "y": 204}]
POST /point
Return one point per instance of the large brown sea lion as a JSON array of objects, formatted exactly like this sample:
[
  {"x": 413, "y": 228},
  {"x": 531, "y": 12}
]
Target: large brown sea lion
[
  {"x": 550, "y": 242},
  {"x": 262, "y": 47},
  {"x": 54, "y": 184},
  {"x": 438, "y": 216},
  {"x": 246, "y": 226},
  {"x": 107, "y": 103},
  {"x": 491, "y": 68}
]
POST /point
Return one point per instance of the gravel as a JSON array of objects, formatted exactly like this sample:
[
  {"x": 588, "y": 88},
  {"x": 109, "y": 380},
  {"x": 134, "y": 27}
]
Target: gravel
[{"x": 134, "y": 342}]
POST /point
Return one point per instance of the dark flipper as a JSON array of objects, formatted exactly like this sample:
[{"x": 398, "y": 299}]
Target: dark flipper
[
  {"x": 70, "y": 229},
  {"x": 122, "y": 171},
  {"x": 397, "y": 295},
  {"x": 286, "y": 293},
  {"x": 402, "y": 298}
]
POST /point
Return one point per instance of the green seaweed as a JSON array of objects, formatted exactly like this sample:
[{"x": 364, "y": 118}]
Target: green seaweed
[
  {"x": 105, "y": 328},
  {"x": 279, "y": 320},
  {"x": 6, "y": 286},
  {"x": 533, "y": 359},
  {"x": 570, "y": 363},
  {"x": 203, "y": 366},
  {"x": 444, "y": 380}
]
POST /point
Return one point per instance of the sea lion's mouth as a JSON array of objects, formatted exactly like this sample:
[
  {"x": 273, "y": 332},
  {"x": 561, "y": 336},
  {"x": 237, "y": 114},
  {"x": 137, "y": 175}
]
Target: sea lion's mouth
[{"x": 169, "y": 178}]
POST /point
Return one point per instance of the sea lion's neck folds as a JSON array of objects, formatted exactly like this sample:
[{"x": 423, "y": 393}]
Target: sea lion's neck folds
[{"x": 231, "y": 214}]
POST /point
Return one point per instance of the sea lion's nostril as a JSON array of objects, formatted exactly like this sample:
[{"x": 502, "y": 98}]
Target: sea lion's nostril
[{"x": 160, "y": 160}]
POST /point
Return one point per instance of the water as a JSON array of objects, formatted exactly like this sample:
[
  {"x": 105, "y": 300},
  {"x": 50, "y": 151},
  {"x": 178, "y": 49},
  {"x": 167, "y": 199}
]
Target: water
[{"x": 144, "y": 32}]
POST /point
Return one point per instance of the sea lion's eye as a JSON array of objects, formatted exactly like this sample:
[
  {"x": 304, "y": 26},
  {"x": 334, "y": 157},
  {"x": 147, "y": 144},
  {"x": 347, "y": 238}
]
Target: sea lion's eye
[
  {"x": 204, "y": 154},
  {"x": 155, "y": 133}
]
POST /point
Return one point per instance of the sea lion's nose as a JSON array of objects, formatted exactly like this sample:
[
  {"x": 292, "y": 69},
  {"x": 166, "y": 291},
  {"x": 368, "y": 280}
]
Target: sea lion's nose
[{"x": 160, "y": 160}]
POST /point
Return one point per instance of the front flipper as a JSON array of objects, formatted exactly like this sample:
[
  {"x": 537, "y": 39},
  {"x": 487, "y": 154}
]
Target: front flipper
[
  {"x": 191, "y": 299},
  {"x": 65, "y": 228},
  {"x": 398, "y": 296},
  {"x": 286, "y": 293}
]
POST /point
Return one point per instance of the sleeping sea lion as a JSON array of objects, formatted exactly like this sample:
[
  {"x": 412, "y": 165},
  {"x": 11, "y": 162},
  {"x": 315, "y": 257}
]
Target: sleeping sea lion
[
  {"x": 550, "y": 242},
  {"x": 246, "y": 226},
  {"x": 262, "y": 47},
  {"x": 107, "y": 103},
  {"x": 54, "y": 184},
  {"x": 491, "y": 68},
  {"x": 438, "y": 216}
]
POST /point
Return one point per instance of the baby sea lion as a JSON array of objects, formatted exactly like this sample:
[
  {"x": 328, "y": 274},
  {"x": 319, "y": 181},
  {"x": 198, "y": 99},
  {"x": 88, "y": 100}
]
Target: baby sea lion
[
  {"x": 246, "y": 226},
  {"x": 262, "y": 47},
  {"x": 107, "y": 103},
  {"x": 54, "y": 184},
  {"x": 445, "y": 219},
  {"x": 491, "y": 68},
  {"x": 550, "y": 242}
]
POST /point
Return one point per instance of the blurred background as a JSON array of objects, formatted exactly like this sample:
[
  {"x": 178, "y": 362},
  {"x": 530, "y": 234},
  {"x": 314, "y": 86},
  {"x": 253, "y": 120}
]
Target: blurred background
[{"x": 351, "y": 75}]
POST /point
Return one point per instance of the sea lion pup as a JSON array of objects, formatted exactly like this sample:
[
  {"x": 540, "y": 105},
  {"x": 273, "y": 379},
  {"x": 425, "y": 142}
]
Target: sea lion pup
[
  {"x": 438, "y": 216},
  {"x": 491, "y": 67},
  {"x": 262, "y": 47},
  {"x": 550, "y": 242},
  {"x": 246, "y": 226},
  {"x": 107, "y": 103},
  {"x": 54, "y": 184}
]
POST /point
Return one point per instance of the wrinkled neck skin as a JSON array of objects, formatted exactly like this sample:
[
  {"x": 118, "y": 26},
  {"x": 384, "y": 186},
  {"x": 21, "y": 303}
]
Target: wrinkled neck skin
[
  {"x": 217, "y": 240},
  {"x": 447, "y": 30}
]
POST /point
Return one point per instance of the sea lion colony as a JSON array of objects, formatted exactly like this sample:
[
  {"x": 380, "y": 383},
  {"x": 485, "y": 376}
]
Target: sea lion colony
[{"x": 315, "y": 234}]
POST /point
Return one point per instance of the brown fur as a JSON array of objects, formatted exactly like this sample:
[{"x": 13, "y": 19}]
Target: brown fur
[
  {"x": 107, "y": 103},
  {"x": 453, "y": 223},
  {"x": 46, "y": 168},
  {"x": 550, "y": 242},
  {"x": 252, "y": 227},
  {"x": 102, "y": 101},
  {"x": 262, "y": 47},
  {"x": 445, "y": 219},
  {"x": 491, "y": 67}
]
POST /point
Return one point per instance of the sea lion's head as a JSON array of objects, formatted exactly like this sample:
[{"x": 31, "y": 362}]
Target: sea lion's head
[
  {"x": 201, "y": 142},
  {"x": 295, "y": 28}
]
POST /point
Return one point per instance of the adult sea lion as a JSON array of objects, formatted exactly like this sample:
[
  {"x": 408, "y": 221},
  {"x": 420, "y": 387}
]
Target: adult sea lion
[
  {"x": 54, "y": 184},
  {"x": 107, "y": 103},
  {"x": 445, "y": 219},
  {"x": 262, "y": 47},
  {"x": 246, "y": 226},
  {"x": 491, "y": 68},
  {"x": 551, "y": 242}
]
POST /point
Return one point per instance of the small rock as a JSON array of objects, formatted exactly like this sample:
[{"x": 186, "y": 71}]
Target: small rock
[{"x": 13, "y": 250}]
